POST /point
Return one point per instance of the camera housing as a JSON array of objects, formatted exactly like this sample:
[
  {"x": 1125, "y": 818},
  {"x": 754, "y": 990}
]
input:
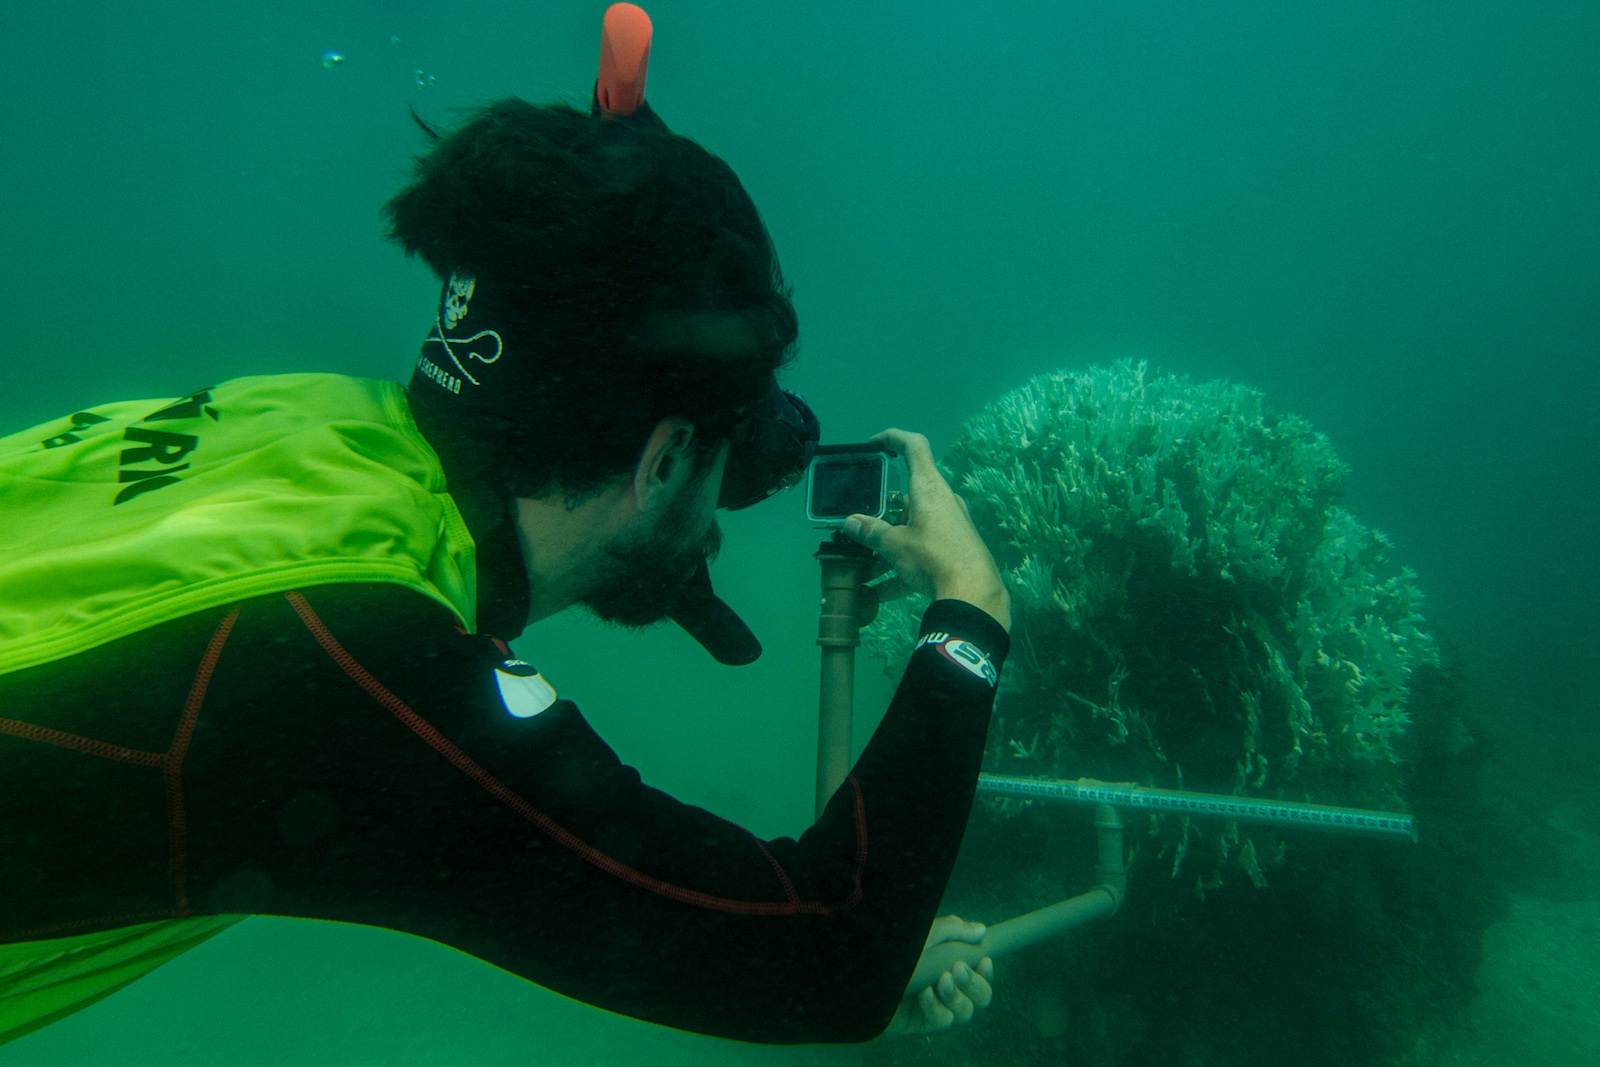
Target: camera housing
[{"x": 846, "y": 480}]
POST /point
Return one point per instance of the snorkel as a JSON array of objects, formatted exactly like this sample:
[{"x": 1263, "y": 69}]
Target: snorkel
[{"x": 624, "y": 61}]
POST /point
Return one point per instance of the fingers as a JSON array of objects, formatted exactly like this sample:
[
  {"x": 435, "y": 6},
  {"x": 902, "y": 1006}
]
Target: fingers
[
  {"x": 961, "y": 991},
  {"x": 955, "y": 928},
  {"x": 976, "y": 984},
  {"x": 905, "y": 442},
  {"x": 935, "y": 1014},
  {"x": 958, "y": 995},
  {"x": 866, "y": 530},
  {"x": 937, "y": 550},
  {"x": 918, "y": 453},
  {"x": 955, "y": 997}
]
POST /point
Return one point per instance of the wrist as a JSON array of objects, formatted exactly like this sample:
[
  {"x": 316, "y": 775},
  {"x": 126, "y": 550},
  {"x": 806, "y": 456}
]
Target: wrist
[{"x": 989, "y": 597}]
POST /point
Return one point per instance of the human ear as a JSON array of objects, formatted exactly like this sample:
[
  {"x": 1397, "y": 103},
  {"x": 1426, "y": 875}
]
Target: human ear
[{"x": 663, "y": 462}]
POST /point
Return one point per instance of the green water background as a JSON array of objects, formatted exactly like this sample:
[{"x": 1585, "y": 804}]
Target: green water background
[{"x": 1383, "y": 213}]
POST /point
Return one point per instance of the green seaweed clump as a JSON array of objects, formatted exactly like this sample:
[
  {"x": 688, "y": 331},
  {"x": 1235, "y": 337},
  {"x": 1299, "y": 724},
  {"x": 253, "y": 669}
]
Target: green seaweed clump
[{"x": 1193, "y": 608}]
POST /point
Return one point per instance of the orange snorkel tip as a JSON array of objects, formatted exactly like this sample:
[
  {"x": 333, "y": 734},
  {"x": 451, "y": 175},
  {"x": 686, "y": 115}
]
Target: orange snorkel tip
[{"x": 624, "y": 60}]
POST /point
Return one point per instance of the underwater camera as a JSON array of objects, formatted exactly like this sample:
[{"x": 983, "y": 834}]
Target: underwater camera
[{"x": 846, "y": 480}]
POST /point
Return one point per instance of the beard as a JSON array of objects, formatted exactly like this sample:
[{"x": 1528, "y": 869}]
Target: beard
[{"x": 637, "y": 583}]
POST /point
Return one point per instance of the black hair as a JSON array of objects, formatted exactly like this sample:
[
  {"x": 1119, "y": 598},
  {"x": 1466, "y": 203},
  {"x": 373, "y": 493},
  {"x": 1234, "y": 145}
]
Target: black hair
[{"x": 633, "y": 257}]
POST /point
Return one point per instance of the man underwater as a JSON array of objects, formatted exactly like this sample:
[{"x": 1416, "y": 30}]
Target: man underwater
[{"x": 253, "y": 641}]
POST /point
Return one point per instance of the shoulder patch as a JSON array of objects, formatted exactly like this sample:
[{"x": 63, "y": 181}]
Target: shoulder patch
[{"x": 523, "y": 689}]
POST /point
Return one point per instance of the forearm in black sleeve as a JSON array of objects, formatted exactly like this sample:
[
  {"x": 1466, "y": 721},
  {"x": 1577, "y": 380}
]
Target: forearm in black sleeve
[
  {"x": 782, "y": 941},
  {"x": 378, "y": 779}
]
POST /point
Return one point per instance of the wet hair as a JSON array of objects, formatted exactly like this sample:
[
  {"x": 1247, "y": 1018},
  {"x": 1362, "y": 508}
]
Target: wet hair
[{"x": 636, "y": 280}]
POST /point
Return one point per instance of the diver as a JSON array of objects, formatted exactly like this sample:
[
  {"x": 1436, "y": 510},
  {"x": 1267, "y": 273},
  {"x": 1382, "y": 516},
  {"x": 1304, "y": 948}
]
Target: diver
[{"x": 253, "y": 640}]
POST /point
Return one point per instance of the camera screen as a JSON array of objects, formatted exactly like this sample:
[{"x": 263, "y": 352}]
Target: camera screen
[{"x": 847, "y": 485}]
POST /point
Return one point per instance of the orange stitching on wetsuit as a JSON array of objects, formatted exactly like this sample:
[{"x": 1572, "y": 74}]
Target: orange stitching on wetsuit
[
  {"x": 89, "y": 745},
  {"x": 861, "y": 837},
  {"x": 170, "y": 762},
  {"x": 861, "y": 850},
  {"x": 783, "y": 875},
  {"x": 464, "y": 763},
  {"x": 177, "y": 824}
]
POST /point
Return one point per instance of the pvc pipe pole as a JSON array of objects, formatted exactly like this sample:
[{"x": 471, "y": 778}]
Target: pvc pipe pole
[
  {"x": 1011, "y": 935},
  {"x": 1003, "y": 937},
  {"x": 839, "y": 634},
  {"x": 835, "y": 721},
  {"x": 1245, "y": 809}
]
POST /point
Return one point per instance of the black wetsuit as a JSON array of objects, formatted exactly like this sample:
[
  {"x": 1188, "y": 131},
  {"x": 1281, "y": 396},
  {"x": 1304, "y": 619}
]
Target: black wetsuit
[{"x": 351, "y": 759}]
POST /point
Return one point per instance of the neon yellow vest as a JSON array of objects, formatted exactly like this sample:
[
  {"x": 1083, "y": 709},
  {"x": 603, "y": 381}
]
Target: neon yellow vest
[
  {"x": 118, "y": 518},
  {"x": 124, "y": 516}
]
